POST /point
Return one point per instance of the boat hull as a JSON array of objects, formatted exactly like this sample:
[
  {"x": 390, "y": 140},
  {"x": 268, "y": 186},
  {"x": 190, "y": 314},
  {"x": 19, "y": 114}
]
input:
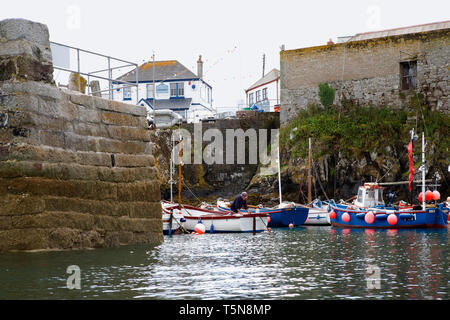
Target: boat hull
[
  {"x": 231, "y": 223},
  {"x": 281, "y": 217},
  {"x": 430, "y": 218},
  {"x": 176, "y": 218},
  {"x": 318, "y": 217}
]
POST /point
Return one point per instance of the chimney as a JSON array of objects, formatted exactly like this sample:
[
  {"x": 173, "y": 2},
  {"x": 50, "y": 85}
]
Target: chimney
[{"x": 200, "y": 67}]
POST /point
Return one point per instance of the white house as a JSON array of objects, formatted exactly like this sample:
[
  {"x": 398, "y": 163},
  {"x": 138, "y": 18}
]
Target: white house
[
  {"x": 169, "y": 85},
  {"x": 265, "y": 93}
]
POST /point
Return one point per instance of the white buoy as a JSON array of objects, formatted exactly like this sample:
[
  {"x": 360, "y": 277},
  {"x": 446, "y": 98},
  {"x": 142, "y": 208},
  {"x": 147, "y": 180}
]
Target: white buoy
[{"x": 200, "y": 228}]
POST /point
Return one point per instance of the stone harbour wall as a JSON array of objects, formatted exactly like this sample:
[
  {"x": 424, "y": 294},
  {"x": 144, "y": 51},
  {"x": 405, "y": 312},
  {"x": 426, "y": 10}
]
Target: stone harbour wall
[
  {"x": 368, "y": 72},
  {"x": 75, "y": 171},
  {"x": 211, "y": 181}
]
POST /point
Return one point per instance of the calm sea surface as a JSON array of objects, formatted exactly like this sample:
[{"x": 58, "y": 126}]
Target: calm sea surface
[{"x": 302, "y": 263}]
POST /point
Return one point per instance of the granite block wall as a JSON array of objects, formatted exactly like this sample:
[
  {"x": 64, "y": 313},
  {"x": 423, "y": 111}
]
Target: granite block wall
[{"x": 76, "y": 171}]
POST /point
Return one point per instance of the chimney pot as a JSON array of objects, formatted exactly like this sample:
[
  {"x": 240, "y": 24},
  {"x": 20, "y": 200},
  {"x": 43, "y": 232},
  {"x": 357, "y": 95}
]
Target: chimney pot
[{"x": 200, "y": 67}]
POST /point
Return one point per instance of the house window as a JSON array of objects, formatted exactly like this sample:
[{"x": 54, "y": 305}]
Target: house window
[
  {"x": 177, "y": 89},
  {"x": 127, "y": 93},
  {"x": 258, "y": 96},
  {"x": 180, "y": 87},
  {"x": 162, "y": 89},
  {"x": 149, "y": 91},
  {"x": 173, "y": 89},
  {"x": 251, "y": 99},
  {"x": 408, "y": 74},
  {"x": 264, "y": 93}
]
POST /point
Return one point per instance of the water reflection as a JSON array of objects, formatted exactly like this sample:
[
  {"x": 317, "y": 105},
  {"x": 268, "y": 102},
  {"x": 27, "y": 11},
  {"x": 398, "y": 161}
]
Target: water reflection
[{"x": 311, "y": 262}]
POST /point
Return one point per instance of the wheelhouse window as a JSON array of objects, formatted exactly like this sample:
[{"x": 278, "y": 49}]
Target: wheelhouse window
[
  {"x": 408, "y": 74},
  {"x": 258, "y": 96},
  {"x": 264, "y": 94}
]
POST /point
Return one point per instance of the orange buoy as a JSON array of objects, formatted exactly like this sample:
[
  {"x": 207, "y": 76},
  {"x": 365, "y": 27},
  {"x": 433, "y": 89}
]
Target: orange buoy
[
  {"x": 333, "y": 215},
  {"x": 369, "y": 217},
  {"x": 346, "y": 217},
  {"x": 392, "y": 219},
  {"x": 291, "y": 225}
]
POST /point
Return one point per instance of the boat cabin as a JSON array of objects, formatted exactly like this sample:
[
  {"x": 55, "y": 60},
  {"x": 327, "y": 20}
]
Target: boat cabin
[{"x": 369, "y": 195}]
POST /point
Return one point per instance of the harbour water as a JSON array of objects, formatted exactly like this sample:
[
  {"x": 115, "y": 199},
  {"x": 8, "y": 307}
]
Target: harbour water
[{"x": 314, "y": 262}]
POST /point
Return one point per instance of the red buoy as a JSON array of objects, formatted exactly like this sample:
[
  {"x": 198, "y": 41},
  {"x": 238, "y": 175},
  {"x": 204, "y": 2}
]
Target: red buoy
[
  {"x": 369, "y": 217},
  {"x": 436, "y": 195},
  {"x": 392, "y": 219},
  {"x": 268, "y": 219},
  {"x": 420, "y": 198},
  {"x": 346, "y": 217},
  {"x": 428, "y": 195},
  {"x": 333, "y": 215}
]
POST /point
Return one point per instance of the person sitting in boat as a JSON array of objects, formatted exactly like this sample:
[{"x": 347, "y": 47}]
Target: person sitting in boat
[{"x": 239, "y": 202}]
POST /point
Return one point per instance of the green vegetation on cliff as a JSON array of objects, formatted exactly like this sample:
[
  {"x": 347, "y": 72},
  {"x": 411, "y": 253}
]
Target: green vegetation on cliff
[{"x": 354, "y": 130}]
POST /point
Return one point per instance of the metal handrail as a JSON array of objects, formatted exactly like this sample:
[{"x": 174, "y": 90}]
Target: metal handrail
[{"x": 109, "y": 69}]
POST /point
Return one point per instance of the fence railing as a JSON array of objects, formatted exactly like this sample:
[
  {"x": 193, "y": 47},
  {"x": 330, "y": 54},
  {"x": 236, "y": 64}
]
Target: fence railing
[{"x": 61, "y": 61}]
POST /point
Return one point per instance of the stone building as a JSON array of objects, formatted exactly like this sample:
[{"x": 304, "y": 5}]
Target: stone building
[
  {"x": 75, "y": 171},
  {"x": 380, "y": 68}
]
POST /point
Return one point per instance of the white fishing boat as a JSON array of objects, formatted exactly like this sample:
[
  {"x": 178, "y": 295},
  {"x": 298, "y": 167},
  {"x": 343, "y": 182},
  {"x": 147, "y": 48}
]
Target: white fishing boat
[{"x": 216, "y": 221}]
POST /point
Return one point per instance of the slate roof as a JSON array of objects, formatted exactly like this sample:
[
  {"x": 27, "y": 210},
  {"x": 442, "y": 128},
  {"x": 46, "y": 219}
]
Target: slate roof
[
  {"x": 172, "y": 104},
  {"x": 271, "y": 76},
  {"x": 164, "y": 70}
]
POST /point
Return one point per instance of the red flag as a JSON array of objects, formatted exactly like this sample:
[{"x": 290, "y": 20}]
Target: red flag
[{"x": 411, "y": 164}]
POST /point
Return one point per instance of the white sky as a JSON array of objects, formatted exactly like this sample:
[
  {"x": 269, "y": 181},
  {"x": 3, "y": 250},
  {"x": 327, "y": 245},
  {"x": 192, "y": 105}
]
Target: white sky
[{"x": 183, "y": 29}]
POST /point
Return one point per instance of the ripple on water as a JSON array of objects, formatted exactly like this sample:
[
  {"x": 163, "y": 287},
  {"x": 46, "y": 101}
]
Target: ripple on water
[{"x": 303, "y": 263}]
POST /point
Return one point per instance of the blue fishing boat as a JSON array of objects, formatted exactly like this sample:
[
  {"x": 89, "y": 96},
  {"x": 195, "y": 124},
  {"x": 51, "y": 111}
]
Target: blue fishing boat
[
  {"x": 369, "y": 210},
  {"x": 379, "y": 216},
  {"x": 286, "y": 215}
]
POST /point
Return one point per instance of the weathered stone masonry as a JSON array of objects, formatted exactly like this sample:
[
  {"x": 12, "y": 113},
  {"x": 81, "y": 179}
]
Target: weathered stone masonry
[
  {"x": 75, "y": 171},
  {"x": 368, "y": 71}
]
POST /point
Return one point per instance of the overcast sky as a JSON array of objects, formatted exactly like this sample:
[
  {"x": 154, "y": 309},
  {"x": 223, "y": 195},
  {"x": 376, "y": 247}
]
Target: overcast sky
[{"x": 231, "y": 35}]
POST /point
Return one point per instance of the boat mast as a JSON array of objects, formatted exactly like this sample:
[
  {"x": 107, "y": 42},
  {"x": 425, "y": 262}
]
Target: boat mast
[
  {"x": 180, "y": 152},
  {"x": 423, "y": 171},
  {"x": 171, "y": 168},
  {"x": 309, "y": 172},
  {"x": 279, "y": 172}
]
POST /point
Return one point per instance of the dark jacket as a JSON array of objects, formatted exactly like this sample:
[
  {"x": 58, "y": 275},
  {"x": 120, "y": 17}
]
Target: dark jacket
[{"x": 238, "y": 203}]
